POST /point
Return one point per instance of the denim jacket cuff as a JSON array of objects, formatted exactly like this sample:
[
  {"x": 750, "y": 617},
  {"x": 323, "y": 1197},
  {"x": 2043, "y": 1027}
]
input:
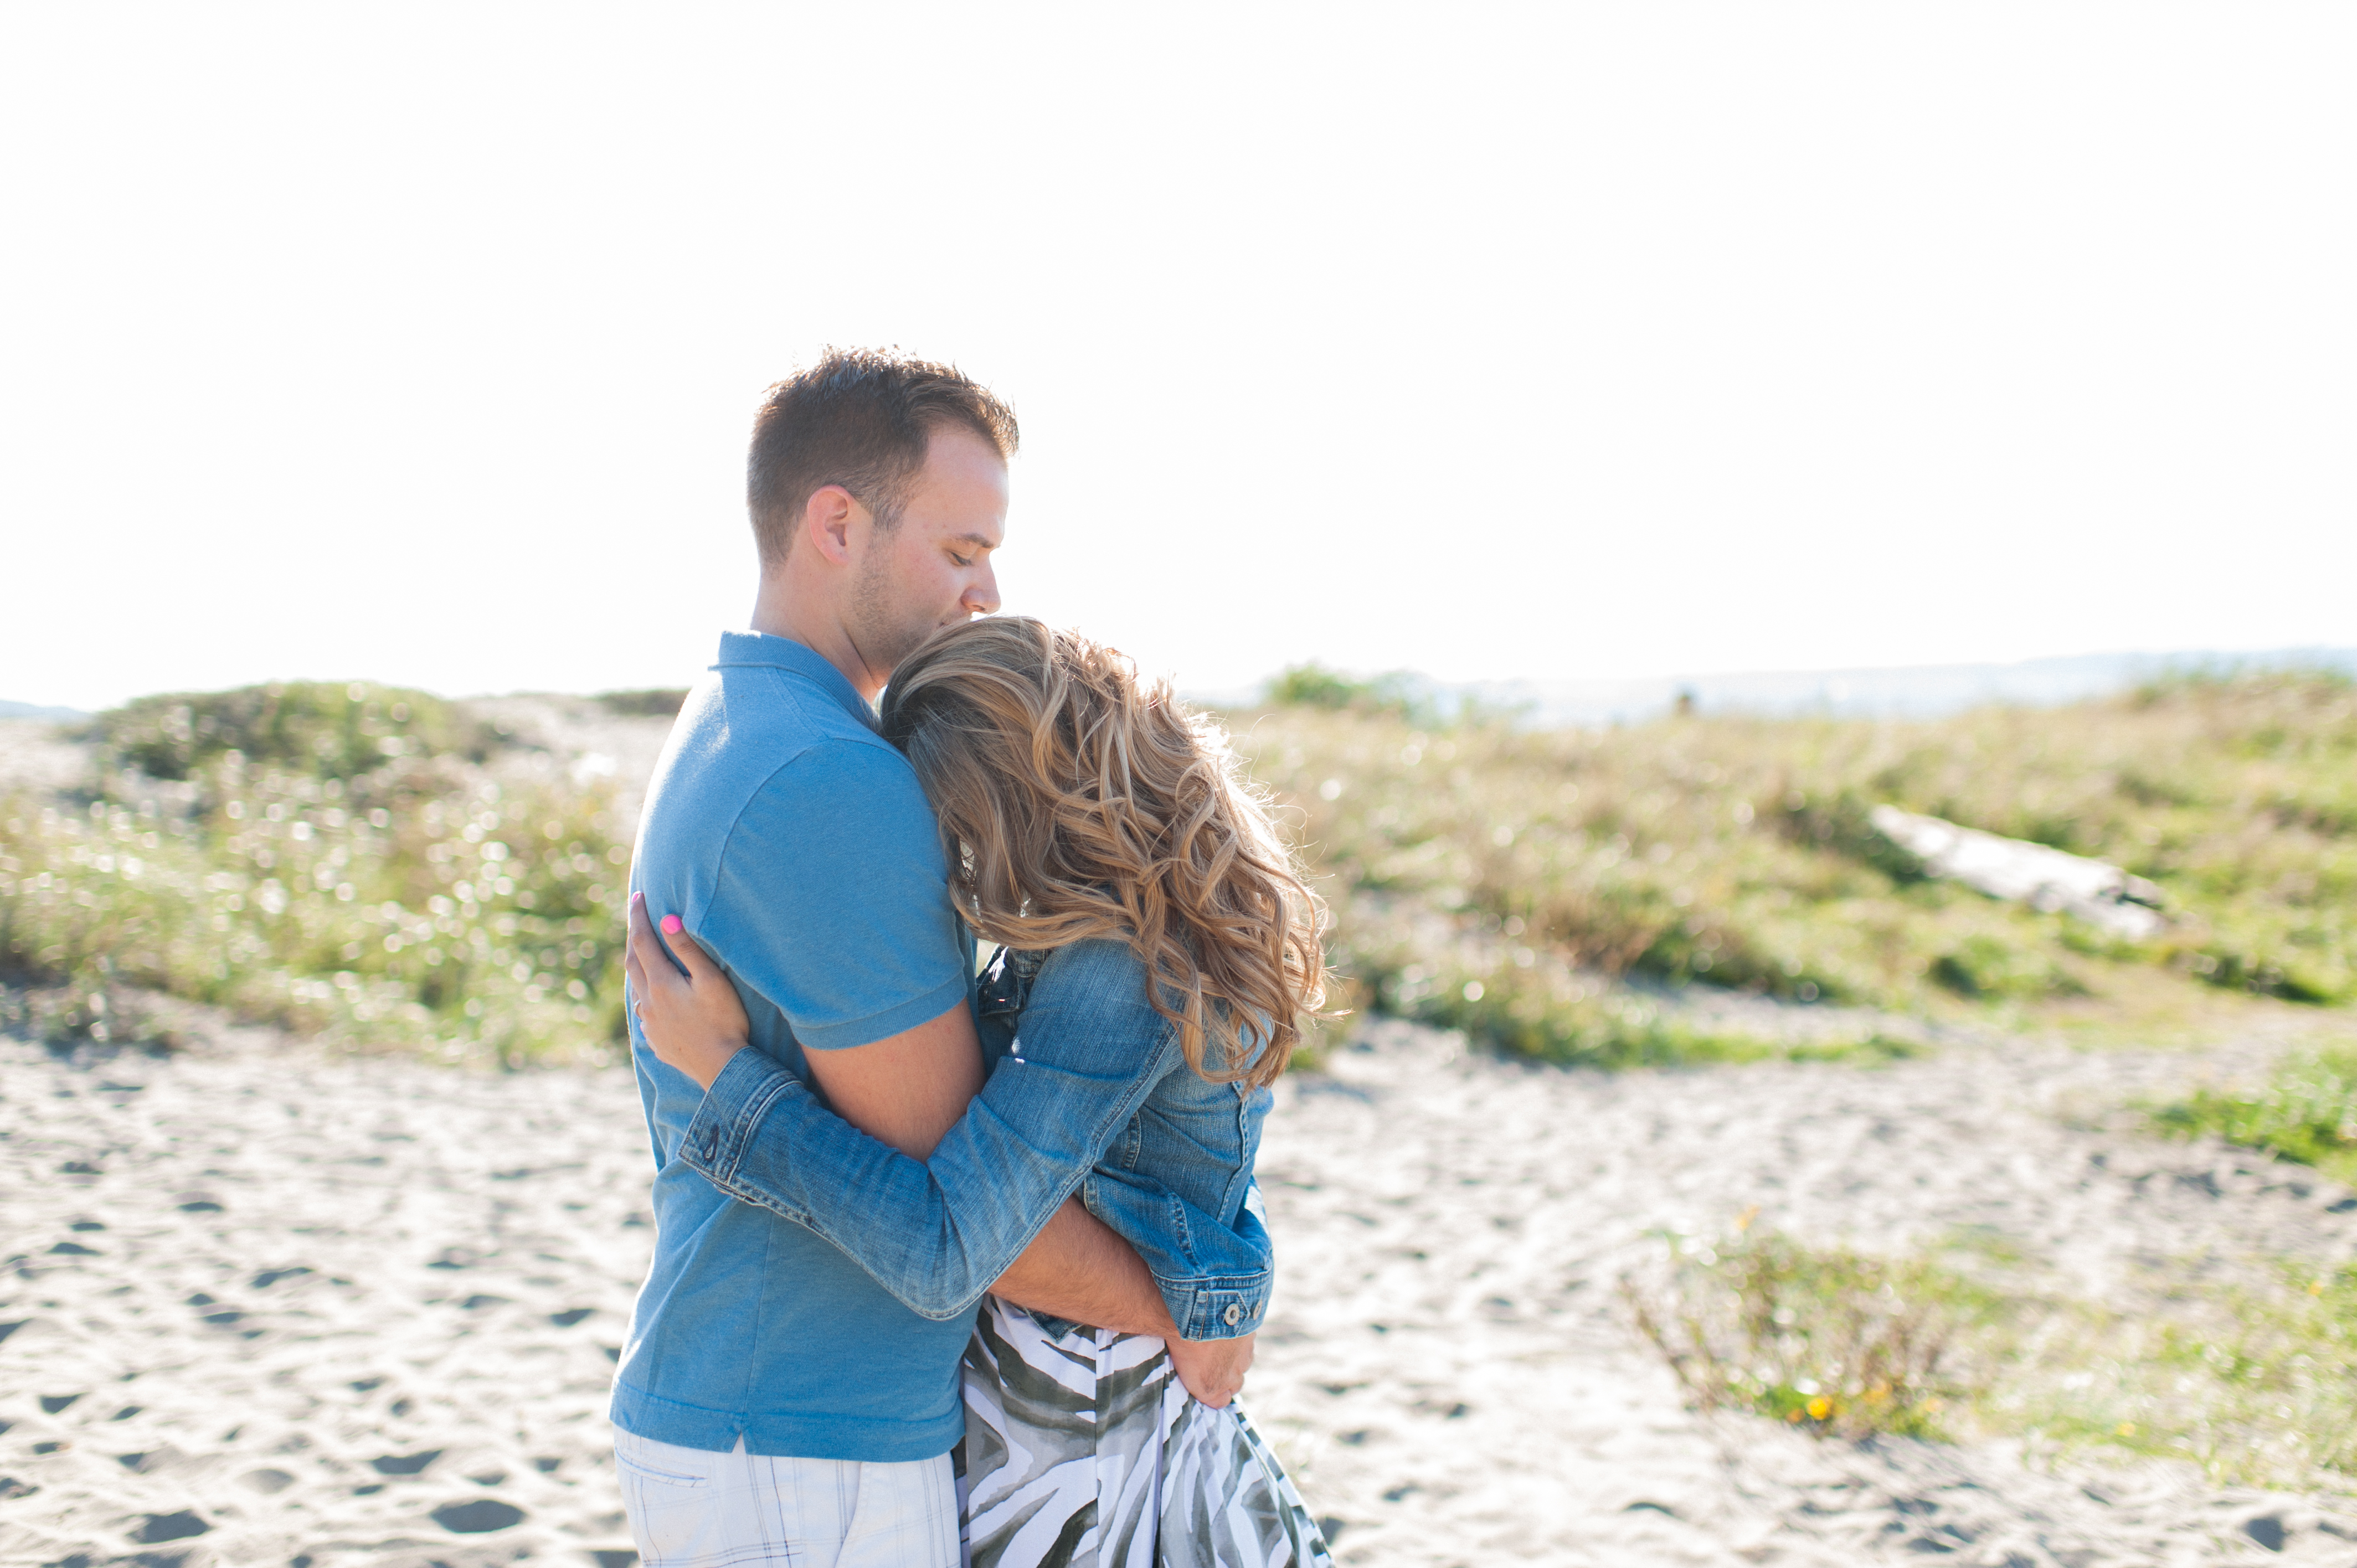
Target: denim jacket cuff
[
  {"x": 1217, "y": 1307},
  {"x": 733, "y": 1107}
]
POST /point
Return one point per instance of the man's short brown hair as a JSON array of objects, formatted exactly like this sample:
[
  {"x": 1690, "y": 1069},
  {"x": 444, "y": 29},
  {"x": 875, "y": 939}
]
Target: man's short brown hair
[{"x": 861, "y": 418}]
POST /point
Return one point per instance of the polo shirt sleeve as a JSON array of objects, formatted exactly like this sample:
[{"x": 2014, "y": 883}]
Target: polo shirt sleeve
[{"x": 832, "y": 898}]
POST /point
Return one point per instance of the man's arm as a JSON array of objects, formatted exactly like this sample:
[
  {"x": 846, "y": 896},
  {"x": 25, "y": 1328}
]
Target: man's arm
[
  {"x": 905, "y": 1089},
  {"x": 1078, "y": 1269},
  {"x": 908, "y": 1088}
]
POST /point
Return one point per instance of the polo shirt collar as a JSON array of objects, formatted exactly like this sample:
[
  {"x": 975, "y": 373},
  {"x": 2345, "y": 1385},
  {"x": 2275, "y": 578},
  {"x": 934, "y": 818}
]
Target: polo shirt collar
[{"x": 741, "y": 647}]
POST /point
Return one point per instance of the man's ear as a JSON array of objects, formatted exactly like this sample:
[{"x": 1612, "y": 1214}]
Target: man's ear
[{"x": 829, "y": 518}]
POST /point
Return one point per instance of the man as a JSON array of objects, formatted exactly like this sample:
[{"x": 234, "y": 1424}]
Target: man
[{"x": 773, "y": 1404}]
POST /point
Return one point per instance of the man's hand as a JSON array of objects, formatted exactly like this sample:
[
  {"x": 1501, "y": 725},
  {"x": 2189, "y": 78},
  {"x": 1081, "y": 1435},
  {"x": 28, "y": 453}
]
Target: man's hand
[
  {"x": 693, "y": 1021},
  {"x": 1212, "y": 1369}
]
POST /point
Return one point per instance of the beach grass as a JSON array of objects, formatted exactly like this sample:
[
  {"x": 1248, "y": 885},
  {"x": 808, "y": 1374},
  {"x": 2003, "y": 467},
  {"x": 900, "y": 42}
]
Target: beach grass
[
  {"x": 2305, "y": 1111},
  {"x": 2249, "y": 1372},
  {"x": 1838, "y": 1342},
  {"x": 322, "y": 854},
  {"x": 337, "y": 859},
  {"x": 2253, "y": 1375},
  {"x": 1507, "y": 881}
]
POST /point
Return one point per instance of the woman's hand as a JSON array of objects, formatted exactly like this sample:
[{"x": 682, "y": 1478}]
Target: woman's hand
[
  {"x": 1212, "y": 1369},
  {"x": 693, "y": 1021}
]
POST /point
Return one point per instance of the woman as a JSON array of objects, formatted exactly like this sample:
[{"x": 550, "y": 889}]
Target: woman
[{"x": 1141, "y": 898}]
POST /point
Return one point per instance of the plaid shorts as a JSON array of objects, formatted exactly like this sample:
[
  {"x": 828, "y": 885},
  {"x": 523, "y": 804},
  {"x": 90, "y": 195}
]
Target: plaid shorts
[{"x": 691, "y": 1508}]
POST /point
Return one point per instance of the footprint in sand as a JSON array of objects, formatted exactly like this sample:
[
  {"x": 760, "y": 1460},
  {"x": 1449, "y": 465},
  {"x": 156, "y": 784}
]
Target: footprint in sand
[
  {"x": 163, "y": 1526},
  {"x": 480, "y": 1516}
]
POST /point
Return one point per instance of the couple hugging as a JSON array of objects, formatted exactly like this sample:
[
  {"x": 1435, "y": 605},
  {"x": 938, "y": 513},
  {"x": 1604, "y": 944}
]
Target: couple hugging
[{"x": 947, "y": 1268}]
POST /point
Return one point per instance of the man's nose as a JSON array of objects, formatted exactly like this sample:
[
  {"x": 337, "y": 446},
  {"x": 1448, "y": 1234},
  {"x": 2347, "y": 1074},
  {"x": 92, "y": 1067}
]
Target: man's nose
[{"x": 982, "y": 595}]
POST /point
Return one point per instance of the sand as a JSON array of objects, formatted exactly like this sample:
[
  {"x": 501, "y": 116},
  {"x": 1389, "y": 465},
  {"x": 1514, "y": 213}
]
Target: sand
[{"x": 269, "y": 1307}]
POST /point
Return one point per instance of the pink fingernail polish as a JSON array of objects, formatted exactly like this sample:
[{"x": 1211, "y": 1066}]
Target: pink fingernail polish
[{"x": 671, "y": 925}]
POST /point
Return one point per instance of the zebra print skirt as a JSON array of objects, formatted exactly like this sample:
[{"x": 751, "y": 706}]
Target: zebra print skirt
[{"x": 1083, "y": 1450}]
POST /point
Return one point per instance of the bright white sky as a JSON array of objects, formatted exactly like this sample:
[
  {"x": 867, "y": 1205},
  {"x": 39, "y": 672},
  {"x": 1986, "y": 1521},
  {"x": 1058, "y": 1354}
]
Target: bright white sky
[{"x": 419, "y": 342}]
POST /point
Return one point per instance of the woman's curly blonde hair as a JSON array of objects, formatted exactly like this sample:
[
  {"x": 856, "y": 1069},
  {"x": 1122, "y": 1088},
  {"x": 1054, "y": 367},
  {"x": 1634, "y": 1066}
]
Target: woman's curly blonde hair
[{"x": 1076, "y": 803}]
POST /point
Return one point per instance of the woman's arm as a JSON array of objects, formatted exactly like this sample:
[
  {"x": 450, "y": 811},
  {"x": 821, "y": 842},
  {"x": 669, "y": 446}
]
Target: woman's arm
[
  {"x": 1215, "y": 1279},
  {"x": 938, "y": 1234}
]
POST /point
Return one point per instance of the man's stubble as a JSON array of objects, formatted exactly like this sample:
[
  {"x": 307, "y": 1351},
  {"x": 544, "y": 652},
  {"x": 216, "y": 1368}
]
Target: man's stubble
[{"x": 884, "y": 629}]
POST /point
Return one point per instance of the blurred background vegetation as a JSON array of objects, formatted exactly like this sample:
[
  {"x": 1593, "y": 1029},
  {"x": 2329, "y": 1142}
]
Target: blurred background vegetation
[
  {"x": 2250, "y": 1372},
  {"x": 342, "y": 859},
  {"x": 1547, "y": 890},
  {"x": 373, "y": 863}
]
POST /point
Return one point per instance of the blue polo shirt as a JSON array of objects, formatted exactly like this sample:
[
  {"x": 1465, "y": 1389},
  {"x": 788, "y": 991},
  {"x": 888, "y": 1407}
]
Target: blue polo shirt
[{"x": 796, "y": 844}]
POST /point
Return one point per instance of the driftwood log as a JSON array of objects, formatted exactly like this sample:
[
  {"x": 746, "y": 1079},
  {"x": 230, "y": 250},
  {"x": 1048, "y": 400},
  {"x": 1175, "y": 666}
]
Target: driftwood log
[{"x": 2034, "y": 873}]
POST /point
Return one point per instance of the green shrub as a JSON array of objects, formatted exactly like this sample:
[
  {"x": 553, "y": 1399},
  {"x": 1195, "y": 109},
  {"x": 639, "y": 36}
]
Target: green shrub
[
  {"x": 1985, "y": 967},
  {"x": 657, "y": 703},
  {"x": 2249, "y": 1370},
  {"x": 90, "y": 1008},
  {"x": 1554, "y": 1019},
  {"x": 324, "y": 729},
  {"x": 2273, "y": 952},
  {"x": 424, "y": 905},
  {"x": 1313, "y": 685},
  {"x": 1838, "y": 1342},
  {"x": 2307, "y": 1112}
]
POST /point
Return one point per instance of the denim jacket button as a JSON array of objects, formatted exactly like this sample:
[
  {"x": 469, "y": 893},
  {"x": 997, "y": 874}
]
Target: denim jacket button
[{"x": 1234, "y": 1315}]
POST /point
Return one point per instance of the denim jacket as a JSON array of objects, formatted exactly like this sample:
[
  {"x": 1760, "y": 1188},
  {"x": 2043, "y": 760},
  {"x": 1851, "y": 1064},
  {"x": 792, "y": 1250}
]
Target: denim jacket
[{"x": 1088, "y": 1091}]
